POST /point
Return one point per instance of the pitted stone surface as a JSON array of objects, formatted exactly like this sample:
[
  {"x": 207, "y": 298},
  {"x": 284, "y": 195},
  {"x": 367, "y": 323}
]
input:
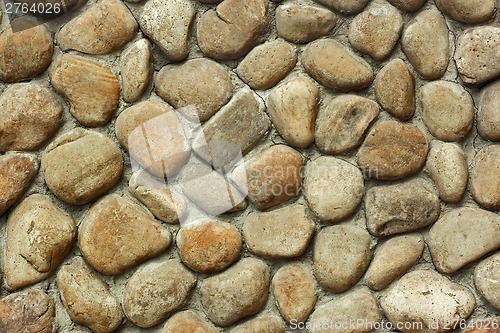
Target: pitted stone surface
[{"x": 467, "y": 11}]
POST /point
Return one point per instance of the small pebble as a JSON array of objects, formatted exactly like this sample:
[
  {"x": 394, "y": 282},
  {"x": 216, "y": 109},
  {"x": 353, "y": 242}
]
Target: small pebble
[
  {"x": 467, "y": 11},
  {"x": 261, "y": 324},
  {"x": 188, "y": 321},
  {"x": 488, "y": 122},
  {"x": 136, "y": 69},
  {"x": 486, "y": 279},
  {"x": 485, "y": 177},
  {"x": 347, "y": 7}
]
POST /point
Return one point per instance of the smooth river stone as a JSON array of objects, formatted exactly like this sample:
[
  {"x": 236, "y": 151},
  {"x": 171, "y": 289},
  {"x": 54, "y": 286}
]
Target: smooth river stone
[
  {"x": 347, "y": 7},
  {"x": 488, "y": 122},
  {"x": 261, "y": 324},
  {"x": 485, "y": 177},
  {"x": 408, "y": 5},
  {"x": 136, "y": 69},
  {"x": 188, "y": 321},
  {"x": 486, "y": 279},
  {"x": 467, "y": 11}
]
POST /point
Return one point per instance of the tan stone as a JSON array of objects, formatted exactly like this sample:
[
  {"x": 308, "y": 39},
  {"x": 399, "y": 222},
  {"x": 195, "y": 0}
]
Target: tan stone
[
  {"x": 136, "y": 69},
  {"x": 232, "y": 29},
  {"x": 335, "y": 66},
  {"x": 486, "y": 279},
  {"x": 103, "y": 28},
  {"x": 116, "y": 235},
  {"x": 91, "y": 88},
  {"x": 26, "y": 49},
  {"x": 485, "y": 177},
  {"x": 302, "y": 24},
  {"x": 488, "y": 122},
  {"x": 461, "y": 236},
  {"x": 393, "y": 150},
  {"x": 408, "y": 5},
  {"x": 487, "y": 325},
  {"x": 293, "y": 287},
  {"x": 395, "y": 89},
  {"x": 188, "y": 322},
  {"x": 267, "y": 64},
  {"x": 17, "y": 171},
  {"x": 347, "y": 7},
  {"x": 81, "y": 165},
  {"x": 200, "y": 82},
  {"x": 209, "y": 246},
  {"x": 87, "y": 298},
  {"x": 261, "y": 324},
  {"x": 30, "y": 116},
  {"x": 468, "y": 11}
]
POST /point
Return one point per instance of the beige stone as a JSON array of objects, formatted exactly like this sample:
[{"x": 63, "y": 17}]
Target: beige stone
[
  {"x": 116, "y": 235},
  {"x": 341, "y": 256},
  {"x": 87, "y": 298},
  {"x": 461, "y": 236},
  {"x": 188, "y": 322},
  {"x": 425, "y": 43},
  {"x": 236, "y": 293},
  {"x": 485, "y": 177},
  {"x": 91, "y": 88},
  {"x": 486, "y": 279},
  {"x": 261, "y": 324},
  {"x": 293, "y": 106},
  {"x": 335, "y": 66},
  {"x": 408, "y": 5},
  {"x": 395, "y": 89},
  {"x": 293, "y": 287},
  {"x": 342, "y": 124},
  {"x": 347, "y": 7},
  {"x": 486, "y": 325},
  {"x": 209, "y": 245},
  {"x": 267, "y": 64},
  {"x": 488, "y": 122},
  {"x": 468, "y": 11},
  {"x": 136, "y": 69}
]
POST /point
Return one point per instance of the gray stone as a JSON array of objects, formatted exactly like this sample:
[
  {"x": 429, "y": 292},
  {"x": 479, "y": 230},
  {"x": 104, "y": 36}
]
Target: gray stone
[
  {"x": 136, "y": 69},
  {"x": 486, "y": 279},
  {"x": 468, "y": 11},
  {"x": 488, "y": 122},
  {"x": 485, "y": 177}
]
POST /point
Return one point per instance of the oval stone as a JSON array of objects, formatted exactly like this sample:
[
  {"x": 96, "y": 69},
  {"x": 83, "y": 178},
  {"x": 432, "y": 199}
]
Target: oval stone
[
  {"x": 347, "y": 7},
  {"x": 488, "y": 122},
  {"x": 467, "y": 11},
  {"x": 408, "y": 5},
  {"x": 136, "y": 69},
  {"x": 188, "y": 321},
  {"x": 486, "y": 279},
  {"x": 485, "y": 177},
  {"x": 261, "y": 324}
]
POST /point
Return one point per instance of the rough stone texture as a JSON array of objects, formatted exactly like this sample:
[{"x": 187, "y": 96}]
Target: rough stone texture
[
  {"x": 274, "y": 176},
  {"x": 25, "y": 50},
  {"x": 357, "y": 306},
  {"x": 293, "y": 106},
  {"x": 30, "y": 116},
  {"x": 28, "y": 311},
  {"x": 302, "y": 23},
  {"x": 341, "y": 256},
  {"x": 281, "y": 233},
  {"x": 426, "y": 45},
  {"x": 168, "y": 25},
  {"x": 447, "y": 110},
  {"x": 180, "y": 85},
  {"x": 449, "y": 170},
  {"x": 87, "y": 298},
  {"x": 393, "y": 150},
  {"x": 293, "y": 287},
  {"x": 485, "y": 177},
  {"x": 17, "y": 171},
  {"x": 402, "y": 207},
  {"x": 136, "y": 69},
  {"x": 232, "y": 29},
  {"x": 238, "y": 292},
  {"x": 335, "y": 66},
  {"x": 116, "y": 235},
  {"x": 333, "y": 188},
  {"x": 347, "y": 7},
  {"x": 392, "y": 259},
  {"x": 467, "y": 11},
  {"x": 91, "y": 88},
  {"x": 488, "y": 121},
  {"x": 408, "y": 5},
  {"x": 341, "y": 126},
  {"x": 39, "y": 236},
  {"x": 462, "y": 236},
  {"x": 477, "y": 55},
  {"x": 395, "y": 89},
  {"x": 155, "y": 290},
  {"x": 376, "y": 30},
  {"x": 486, "y": 279},
  {"x": 209, "y": 246},
  {"x": 267, "y": 64},
  {"x": 261, "y": 324},
  {"x": 427, "y": 297},
  {"x": 103, "y": 28},
  {"x": 93, "y": 164},
  {"x": 188, "y": 322}
]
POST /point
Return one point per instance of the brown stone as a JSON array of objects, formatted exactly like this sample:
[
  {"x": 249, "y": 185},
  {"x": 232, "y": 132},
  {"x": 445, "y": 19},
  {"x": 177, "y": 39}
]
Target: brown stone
[
  {"x": 116, "y": 235},
  {"x": 486, "y": 280},
  {"x": 347, "y": 7},
  {"x": 136, "y": 69},
  {"x": 261, "y": 324},
  {"x": 468, "y": 11},
  {"x": 188, "y": 322},
  {"x": 393, "y": 150},
  {"x": 408, "y": 5},
  {"x": 485, "y": 177},
  {"x": 488, "y": 122},
  {"x": 26, "y": 49},
  {"x": 30, "y": 116},
  {"x": 81, "y": 165},
  {"x": 91, "y": 88}
]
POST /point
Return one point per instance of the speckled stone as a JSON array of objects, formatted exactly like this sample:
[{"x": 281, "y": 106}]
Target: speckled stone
[
  {"x": 87, "y": 298},
  {"x": 136, "y": 69},
  {"x": 341, "y": 256},
  {"x": 376, "y": 30},
  {"x": 467, "y": 11},
  {"x": 347, "y": 7},
  {"x": 232, "y": 29},
  {"x": 267, "y": 64},
  {"x": 342, "y": 124},
  {"x": 462, "y": 236},
  {"x": 333, "y": 188},
  {"x": 335, "y": 66},
  {"x": 395, "y": 89},
  {"x": 408, "y": 5},
  {"x": 103, "y": 28},
  {"x": 30, "y": 116},
  {"x": 116, "y": 235},
  {"x": 293, "y": 287},
  {"x": 426, "y": 45},
  {"x": 486, "y": 279},
  {"x": 302, "y": 23},
  {"x": 485, "y": 177},
  {"x": 26, "y": 49},
  {"x": 236, "y": 293},
  {"x": 261, "y": 324},
  {"x": 427, "y": 297},
  {"x": 188, "y": 322},
  {"x": 488, "y": 121}
]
